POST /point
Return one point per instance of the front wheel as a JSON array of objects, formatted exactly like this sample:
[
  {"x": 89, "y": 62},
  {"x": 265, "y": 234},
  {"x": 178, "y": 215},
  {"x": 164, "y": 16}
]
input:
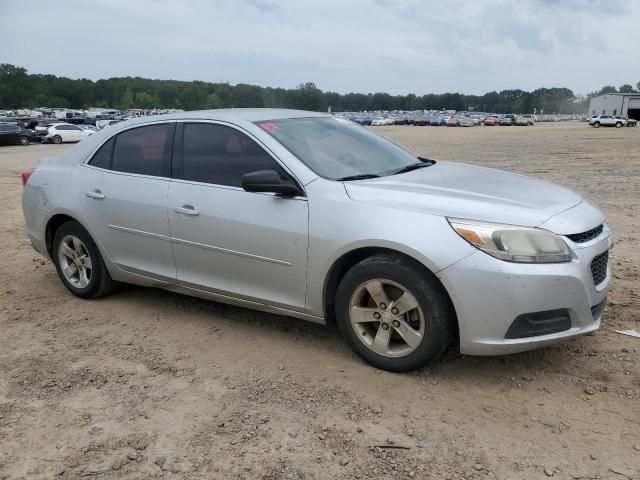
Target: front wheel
[
  {"x": 79, "y": 263},
  {"x": 618, "y": 124},
  {"x": 393, "y": 314},
  {"x": 596, "y": 125},
  {"x": 24, "y": 140}
]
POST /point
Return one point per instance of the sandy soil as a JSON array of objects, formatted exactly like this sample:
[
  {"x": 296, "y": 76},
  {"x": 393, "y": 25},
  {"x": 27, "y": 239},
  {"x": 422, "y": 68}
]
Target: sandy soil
[{"x": 149, "y": 384}]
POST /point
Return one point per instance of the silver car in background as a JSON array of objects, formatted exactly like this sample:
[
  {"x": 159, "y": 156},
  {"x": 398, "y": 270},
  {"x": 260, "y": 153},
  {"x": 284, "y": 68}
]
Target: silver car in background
[{"x": 315, "y": 217}]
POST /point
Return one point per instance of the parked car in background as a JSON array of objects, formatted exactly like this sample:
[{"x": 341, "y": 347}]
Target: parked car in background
[
  {"x": 381, "y": 121},
  {"x": 42, "y": 128},
  {"x": 311, "y": 216},
  {"x": 437, "y": 121},
  {"x": 522, "y": 121},
  {"x": 453, "y": 122},
  {"x": 466, "y": 122},
  {"x": 12, "y": 134},
  {"x": 491, "y": 121},
  {"x": 530, "y": 119},
  {"x": 88, "y": 127},
  {"x": 631, "y": 122},
  {"x": 361, "y": 120},
  {"x": 100, "y": 124},
  {"x": 65, "y": 132},
  {"x": 505, "y": 121},
  {"x": 606, "y": 121}
]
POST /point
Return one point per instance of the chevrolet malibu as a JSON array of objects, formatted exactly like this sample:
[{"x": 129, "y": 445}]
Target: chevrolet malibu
[{"x": 312, "y": 216}]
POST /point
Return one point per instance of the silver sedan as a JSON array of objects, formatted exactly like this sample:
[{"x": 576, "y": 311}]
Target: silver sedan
[{"x": 312, "y": 216}]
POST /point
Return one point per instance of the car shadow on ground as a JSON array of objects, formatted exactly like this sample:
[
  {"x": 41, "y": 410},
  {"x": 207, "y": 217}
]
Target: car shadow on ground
[{"x": 557, "y": 358}]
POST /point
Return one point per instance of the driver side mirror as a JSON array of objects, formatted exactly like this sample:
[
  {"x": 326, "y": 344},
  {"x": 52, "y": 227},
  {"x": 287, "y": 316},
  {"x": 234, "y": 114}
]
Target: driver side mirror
[{"x": 268, "y": 181}]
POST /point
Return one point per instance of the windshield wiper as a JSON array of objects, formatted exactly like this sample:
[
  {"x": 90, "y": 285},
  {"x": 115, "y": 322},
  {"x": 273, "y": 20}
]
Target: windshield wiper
[
  {"x": 413, "y": 166},
  {"x": 362, "y": 176}
]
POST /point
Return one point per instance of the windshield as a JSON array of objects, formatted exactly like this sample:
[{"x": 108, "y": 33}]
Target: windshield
[{"x": 338, "y": 149}]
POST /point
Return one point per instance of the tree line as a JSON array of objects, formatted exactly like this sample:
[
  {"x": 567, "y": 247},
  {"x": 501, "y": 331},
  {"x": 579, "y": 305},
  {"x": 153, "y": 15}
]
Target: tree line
[{"x": 20, "y": 89}]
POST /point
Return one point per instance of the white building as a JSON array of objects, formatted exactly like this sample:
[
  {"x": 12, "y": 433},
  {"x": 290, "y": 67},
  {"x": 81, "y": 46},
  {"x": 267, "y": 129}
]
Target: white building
[{"x": 617, "y": 104}]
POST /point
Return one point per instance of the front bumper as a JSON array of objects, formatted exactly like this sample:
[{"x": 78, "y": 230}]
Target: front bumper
[{"x": 489, "y": 294}]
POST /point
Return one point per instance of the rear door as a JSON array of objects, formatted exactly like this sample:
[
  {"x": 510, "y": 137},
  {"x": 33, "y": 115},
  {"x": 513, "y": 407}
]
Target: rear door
[
  {"x": 226, "y": 240},
  {"x": 125, "y": 187}
]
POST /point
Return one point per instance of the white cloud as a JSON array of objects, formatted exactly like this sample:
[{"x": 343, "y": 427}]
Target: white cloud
[{"x": 399, "y": 46}]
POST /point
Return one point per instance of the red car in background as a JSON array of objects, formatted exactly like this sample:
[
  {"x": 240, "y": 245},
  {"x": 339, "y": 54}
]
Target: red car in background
[
  {"x": 453, "y": 122},
  {"x": 491, "y": 121}
]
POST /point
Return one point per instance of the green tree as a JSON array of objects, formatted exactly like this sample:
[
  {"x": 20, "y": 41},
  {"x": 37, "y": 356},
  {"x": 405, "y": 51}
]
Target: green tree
[
  {"x": 58, "y": 102},
  {"x": 626, "y": 88},
  {"x": 126, "y": 100},
  {"x": 308, "y": 97},
  {"x": 607, "y": 89}
]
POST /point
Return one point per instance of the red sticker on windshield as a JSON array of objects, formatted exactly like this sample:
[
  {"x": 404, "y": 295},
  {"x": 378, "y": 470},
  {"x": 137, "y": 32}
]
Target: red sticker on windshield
[{"x": 270, "y": 127}]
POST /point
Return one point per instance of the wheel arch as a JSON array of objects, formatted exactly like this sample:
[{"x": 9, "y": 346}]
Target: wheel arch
[
  {"x": 52, "y": 226},
  {"x": 347, "y": 260}
]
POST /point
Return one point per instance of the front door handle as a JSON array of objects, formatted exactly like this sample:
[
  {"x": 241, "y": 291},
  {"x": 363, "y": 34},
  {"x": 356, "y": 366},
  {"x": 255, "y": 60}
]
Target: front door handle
[
  {"x": 186, "y": 210},
  {"x": 97, "y": 194}
]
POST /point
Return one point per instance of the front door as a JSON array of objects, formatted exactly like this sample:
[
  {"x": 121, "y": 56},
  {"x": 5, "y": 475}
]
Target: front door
[{"x": 226, "y": 240}]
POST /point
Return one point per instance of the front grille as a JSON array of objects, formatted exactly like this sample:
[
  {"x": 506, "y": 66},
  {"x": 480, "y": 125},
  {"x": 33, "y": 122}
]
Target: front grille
[
  {"x": 599, "y": 267},
  {"x": 586, "y": 236}
]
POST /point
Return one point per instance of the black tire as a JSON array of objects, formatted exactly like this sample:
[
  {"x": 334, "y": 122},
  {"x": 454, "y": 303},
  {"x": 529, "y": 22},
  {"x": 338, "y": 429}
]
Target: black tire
[
  {"x": 100, "y": 282},
  {"x": 57, "y": 139},
  {"x": 596, "y": 125},
  {"x": 24, "y": 140},
  {"x": 437, "y": 311},
  {"x": 618, "y": 124}
]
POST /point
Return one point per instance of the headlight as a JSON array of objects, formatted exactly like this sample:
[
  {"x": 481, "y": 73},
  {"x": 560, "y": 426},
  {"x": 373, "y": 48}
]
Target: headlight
[{"x": 513, "y": 243}]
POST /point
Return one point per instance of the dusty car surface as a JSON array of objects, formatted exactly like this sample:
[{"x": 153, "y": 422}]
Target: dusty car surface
[{"x": 315, "y": 217}]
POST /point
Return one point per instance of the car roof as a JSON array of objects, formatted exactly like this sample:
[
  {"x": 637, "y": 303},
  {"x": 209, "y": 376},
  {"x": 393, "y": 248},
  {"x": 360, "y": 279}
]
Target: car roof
[{"x": 248, "y": 114}]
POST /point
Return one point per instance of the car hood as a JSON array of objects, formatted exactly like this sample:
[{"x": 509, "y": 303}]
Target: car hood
[{"x": 465, "y": 191}]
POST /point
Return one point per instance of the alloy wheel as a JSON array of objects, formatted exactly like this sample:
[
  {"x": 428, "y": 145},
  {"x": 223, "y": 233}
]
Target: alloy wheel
[
  {"x": 387, "y": 318},
  {"x": 75, "y": 261}
]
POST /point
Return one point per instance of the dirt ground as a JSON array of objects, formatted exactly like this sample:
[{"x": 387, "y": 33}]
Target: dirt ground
[{"x": 150, "y": 384}]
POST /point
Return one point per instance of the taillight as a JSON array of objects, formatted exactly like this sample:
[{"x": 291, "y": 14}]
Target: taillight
[{"x": 26, "y": 174}]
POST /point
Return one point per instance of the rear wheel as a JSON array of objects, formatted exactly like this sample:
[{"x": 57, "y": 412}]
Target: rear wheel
[
  {"x": 393, "y": 314},
  {"x": 79, "y": 263},
  {"x": 57, "y": 139}
]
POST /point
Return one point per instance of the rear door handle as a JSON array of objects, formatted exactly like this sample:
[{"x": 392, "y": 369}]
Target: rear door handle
[
  {"x": 97, "y": 194},
  {"x": 186, "y": 210}
]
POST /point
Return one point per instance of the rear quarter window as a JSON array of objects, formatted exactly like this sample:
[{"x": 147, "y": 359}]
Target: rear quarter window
[{"x": 102, "y": 158}]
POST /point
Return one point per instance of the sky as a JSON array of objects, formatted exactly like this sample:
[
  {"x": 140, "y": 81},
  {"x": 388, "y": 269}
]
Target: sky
[{"x": 394, "y": 46}]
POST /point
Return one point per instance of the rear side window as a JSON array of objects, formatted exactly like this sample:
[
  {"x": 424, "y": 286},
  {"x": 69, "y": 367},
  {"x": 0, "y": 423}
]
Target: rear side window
[
  {"x": 102, "y": 158},
  {"x": 144, "y": 150},
  {"x": 222, "y": 155}
]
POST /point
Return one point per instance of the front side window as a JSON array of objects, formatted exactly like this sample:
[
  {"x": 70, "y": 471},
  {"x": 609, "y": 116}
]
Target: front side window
[
  {"x": 222, "y": 155},
  {"x": 337, "y": 149},
  {"x": 144, "y": 150}
]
